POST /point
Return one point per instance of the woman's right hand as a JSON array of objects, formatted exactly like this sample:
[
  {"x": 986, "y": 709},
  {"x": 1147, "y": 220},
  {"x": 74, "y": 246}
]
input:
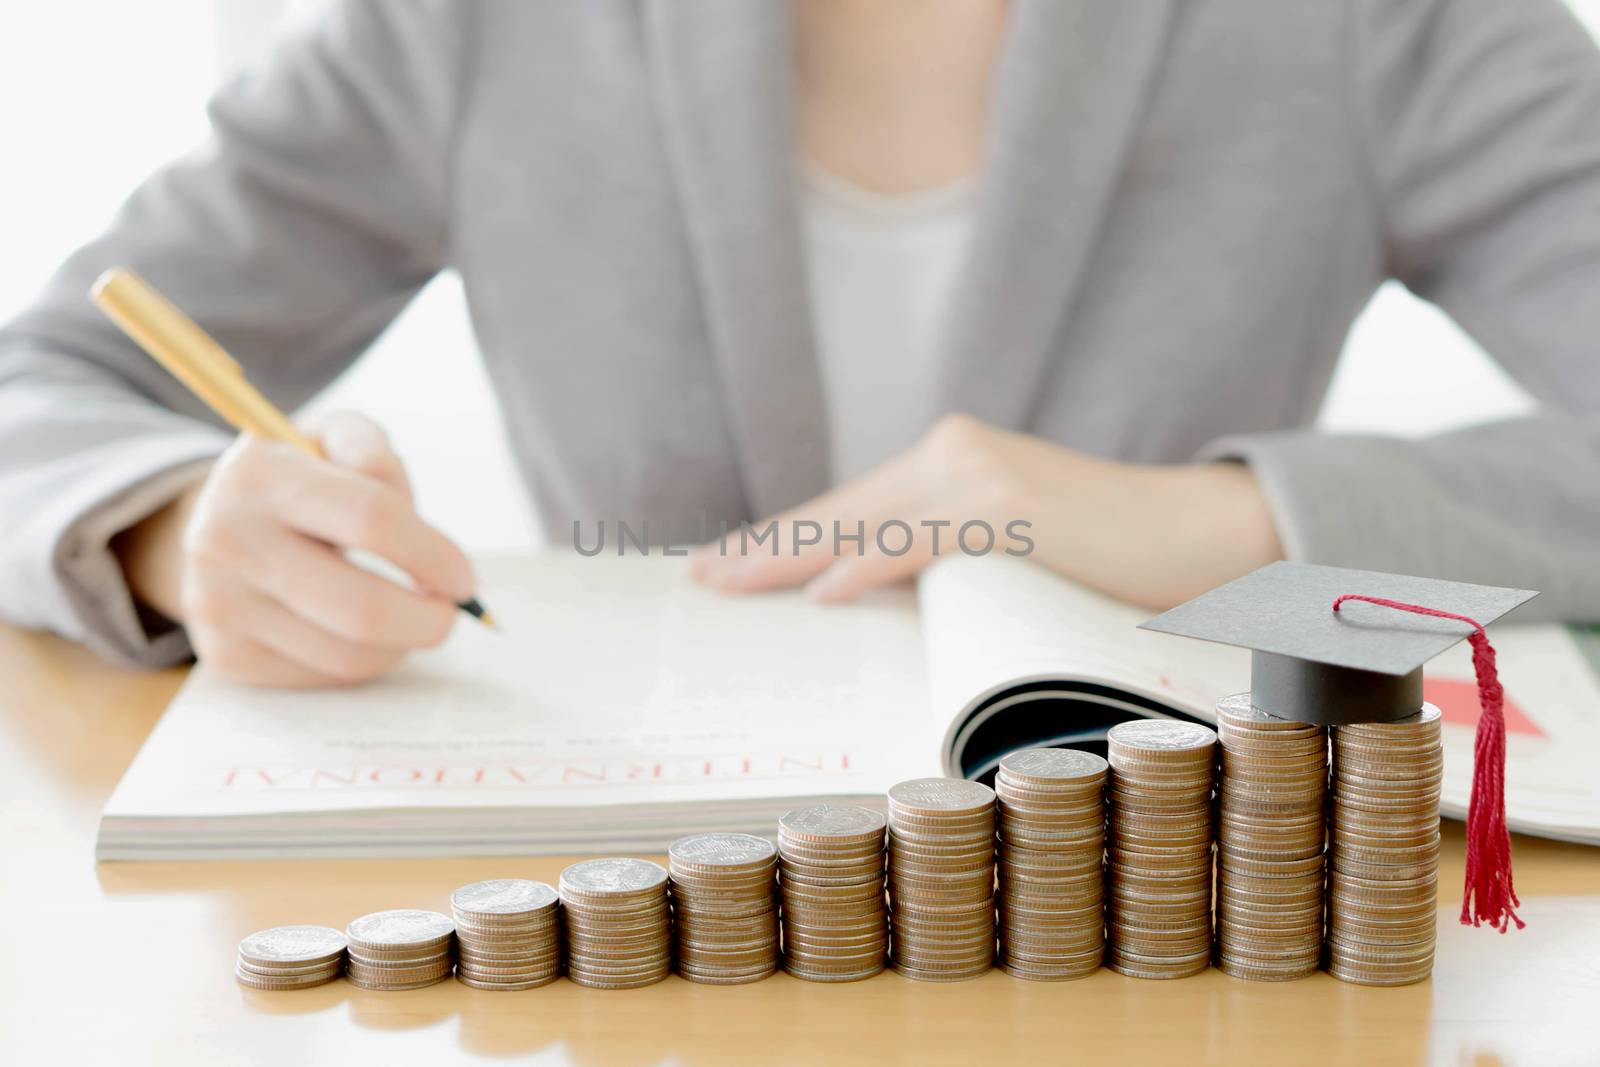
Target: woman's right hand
[{"x": 251, "y": 561}]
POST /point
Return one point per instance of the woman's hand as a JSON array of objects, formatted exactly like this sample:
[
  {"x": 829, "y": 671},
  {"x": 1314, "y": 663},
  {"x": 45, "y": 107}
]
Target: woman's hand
[
  {"x": 1154, "y": 536},
  {"x": 251, "y": 561}
]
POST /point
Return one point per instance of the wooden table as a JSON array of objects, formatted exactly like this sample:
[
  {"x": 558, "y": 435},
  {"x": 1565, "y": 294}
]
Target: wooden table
[{"x": 132, "y": 963}]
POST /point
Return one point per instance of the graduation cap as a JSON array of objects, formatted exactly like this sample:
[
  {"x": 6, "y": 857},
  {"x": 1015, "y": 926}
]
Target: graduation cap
[
  {"x": 1334, "y": 646},
  {"x": 1360, "y": 663}
]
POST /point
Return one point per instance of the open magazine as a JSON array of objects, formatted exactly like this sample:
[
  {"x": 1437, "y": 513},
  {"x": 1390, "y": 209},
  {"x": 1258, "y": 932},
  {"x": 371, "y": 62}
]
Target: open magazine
[{"x": 621, "y": 706}]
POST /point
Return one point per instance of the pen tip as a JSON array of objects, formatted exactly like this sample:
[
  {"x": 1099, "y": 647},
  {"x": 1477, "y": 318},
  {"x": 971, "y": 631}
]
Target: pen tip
[{"x": 479, "y": 612}]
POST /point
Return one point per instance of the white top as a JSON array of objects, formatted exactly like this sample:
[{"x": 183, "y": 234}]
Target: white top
[{"x": 880, "y": 270}]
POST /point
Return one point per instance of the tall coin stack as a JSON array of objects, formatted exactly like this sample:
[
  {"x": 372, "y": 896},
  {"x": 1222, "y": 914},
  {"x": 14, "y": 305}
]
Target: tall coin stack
[
  {"x": 1269, "y": 843},
  {"x": 1158, "y": 848},
  {"x": 941, "y": 878},
  {"x": 403, "y": 949},
  {"x": 1383, "y": 850},
  {"x": 290, "y": 957},
  {"x": 724, "y": 907},
  {"x": 508, "y": 934},
  {"x": 1052, "y": 876},
  {"x": 617, "y": 922},
  {"x": 831, "y": 878}
]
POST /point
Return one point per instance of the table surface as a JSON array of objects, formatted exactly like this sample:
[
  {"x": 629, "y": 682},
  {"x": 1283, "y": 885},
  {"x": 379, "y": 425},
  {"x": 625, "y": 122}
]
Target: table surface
[{"x": 132, "y": 962}]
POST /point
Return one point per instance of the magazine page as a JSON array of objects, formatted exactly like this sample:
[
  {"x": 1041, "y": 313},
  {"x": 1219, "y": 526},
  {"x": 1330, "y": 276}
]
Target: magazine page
[
  {"x": 610, "y": 682},
  {"x": 1551, "y": 676},
  {"x": 1003, "y": 635}
]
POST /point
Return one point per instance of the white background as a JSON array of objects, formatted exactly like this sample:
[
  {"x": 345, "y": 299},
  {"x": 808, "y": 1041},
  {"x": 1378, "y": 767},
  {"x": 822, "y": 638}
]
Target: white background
[{"x": 96, "y": 93}]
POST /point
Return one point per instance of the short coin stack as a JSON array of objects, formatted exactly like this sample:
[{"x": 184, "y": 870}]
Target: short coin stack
[
  {"x": 508, "y": 934},
  {"x": 1269, "y": 843},
  {"x": 724, "y": 907},
  {"x": 290, "y": 957},
  {"x": 1158, "y": 854},
  {"x": 835, "y": 921},
  {"x": 941, "y": 878},
  {"x": 403, "y": 949},
  {"x": 618, "y": 923},
  {"x": 1052, "y": 876},
  {"x": 1383, "y": 850}
]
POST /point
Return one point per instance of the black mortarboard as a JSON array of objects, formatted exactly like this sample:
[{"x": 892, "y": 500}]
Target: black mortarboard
[{"x": 1362, "y": 663}]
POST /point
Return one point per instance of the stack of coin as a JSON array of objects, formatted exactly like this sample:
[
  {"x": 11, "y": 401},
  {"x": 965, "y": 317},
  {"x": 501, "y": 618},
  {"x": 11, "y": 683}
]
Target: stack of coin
[
  {"x": 290, "y": 957},
  {"x": 618, "y": 923},
  {"x": 724, "y": 907},
  {"x": 1269, "y": 843},
  {"x": 941, "y": 878},
  {"x": 1158, "y": 848},
  {"x": 1383, "y": 850},
  {"x": 1052, "y": 878},
  {"x": 835, "y": 922},
  {"x": 403, "y": 949},
  {"x": 508, "y": 934}
]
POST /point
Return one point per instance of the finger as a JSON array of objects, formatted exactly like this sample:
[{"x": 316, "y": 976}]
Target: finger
[
  {"x": 317, "y": 583},
  {"x": 250, "y": 662},
  {"x": 849, "y": 578},
  {"x": 750, "y": 568},
  {"x": 355, "y": 441},
  {"x": 837, "y": 524},
  {"x": 320, "y": 651},
  {"x": 352, "y": 510}
]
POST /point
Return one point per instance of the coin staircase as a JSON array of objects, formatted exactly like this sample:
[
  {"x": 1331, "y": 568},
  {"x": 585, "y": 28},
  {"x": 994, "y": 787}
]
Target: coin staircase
[{"x": 1275, "y": 853}]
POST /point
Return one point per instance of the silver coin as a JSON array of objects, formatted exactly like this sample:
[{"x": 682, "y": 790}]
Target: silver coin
[
  {"x": 503, "y": 896},
  {"x": 1057, "y": 764},
  {"x": 444, "y": 959},
  {"x": 1238, "y": 706},
  {"x": 402, "y": 926},
  {"x": 385, "y": 987},
  {"x": 941, "y": 795},
  {"x": 1428, "y": 716},
  {"x": 290, "y": 970},
  {"x": 924, "y": 974},
  {"x": 514, "y": 972},
  {"x": 596, "y": 981},
  {"x": 721, "y": 850},
  {"x": 469, "y": 980},
  {"x": 1161, "y": 734},
  {"x": 292, "y": 944},
  {"x": 807, "y": 973},
  {"x": 477, "y": 935},
  {"x": 398, "y": 979},
  {"x": 274, "y": 982},
  {"x": 831, "y": 820},
  {"x": 615, "y": 875}
]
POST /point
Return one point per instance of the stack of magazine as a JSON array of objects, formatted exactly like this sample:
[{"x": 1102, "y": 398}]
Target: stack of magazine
[{"x": 620, "y": 706}]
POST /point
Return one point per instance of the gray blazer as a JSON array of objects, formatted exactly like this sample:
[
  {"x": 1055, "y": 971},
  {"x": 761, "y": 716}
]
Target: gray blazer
[{"x": 1184, "y": 206}]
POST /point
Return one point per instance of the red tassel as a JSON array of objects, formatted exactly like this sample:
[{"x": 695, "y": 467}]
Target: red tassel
[{"x": 1490, "y": 895}]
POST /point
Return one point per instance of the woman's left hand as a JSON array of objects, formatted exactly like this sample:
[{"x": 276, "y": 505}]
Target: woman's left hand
[{"x": 1154, "y": 536}]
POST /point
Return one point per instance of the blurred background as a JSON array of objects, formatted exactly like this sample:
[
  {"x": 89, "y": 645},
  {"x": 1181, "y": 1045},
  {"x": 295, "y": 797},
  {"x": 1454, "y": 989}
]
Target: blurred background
[{"x": 94, "y": 94}]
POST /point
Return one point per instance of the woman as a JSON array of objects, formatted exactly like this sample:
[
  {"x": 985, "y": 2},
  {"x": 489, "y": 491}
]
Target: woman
[{"x": 1082, "y": 264}]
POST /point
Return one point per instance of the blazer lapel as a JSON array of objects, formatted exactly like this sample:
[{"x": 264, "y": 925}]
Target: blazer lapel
[
  {"x": 722, "y": 75},
  {"x": 1068, "y": 96}
]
